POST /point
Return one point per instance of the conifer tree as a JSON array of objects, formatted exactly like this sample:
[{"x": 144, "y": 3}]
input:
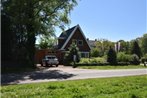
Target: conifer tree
[
  {"x": 111, "y": 56},
  {"x": 136, "y": 49}
]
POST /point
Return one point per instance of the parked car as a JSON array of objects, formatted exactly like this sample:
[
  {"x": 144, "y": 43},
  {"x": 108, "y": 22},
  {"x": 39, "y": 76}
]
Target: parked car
[{"x": 50, "y": 60}]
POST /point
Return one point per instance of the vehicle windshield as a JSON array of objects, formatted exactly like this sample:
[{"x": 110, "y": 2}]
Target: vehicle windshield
[{"x": 51, "y": 57}]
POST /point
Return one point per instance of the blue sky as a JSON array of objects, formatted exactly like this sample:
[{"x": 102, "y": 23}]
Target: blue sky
[{"x": 111, "y": 19}]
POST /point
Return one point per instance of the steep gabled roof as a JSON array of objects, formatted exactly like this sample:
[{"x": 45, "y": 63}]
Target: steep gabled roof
[
  {"x": 69, "y": 33},
  {"x": 64, "y": 36},
  {"x": 66, "y": 33}
]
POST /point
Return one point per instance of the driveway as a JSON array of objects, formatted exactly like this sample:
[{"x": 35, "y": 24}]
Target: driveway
[{"x": 66, "y": 73}]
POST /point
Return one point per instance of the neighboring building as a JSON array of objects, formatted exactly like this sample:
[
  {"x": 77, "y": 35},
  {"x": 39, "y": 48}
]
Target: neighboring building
[
  {"x": 92, "y": 43},
  {"x": 74, "y": 34}
]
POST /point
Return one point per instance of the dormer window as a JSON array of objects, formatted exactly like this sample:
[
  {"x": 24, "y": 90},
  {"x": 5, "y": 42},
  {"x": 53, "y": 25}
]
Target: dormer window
[{"x": 80, "y": 42}]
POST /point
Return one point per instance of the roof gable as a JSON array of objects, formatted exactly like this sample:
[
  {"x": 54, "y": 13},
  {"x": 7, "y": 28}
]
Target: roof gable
[
  {"x": 66, "y": 34},
  {"x": 72, "y": 31}
]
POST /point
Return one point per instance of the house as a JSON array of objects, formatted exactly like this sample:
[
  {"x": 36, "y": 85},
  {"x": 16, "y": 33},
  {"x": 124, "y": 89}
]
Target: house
[
  {"x": 92, "y": 43},
  {"x": 74, "y": 34}
]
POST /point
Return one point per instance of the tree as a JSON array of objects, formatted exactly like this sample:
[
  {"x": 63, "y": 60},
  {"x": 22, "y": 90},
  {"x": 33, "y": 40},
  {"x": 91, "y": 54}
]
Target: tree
[
  {"x": 95, "y": 52},
  {"x": 30, "y": 18},
  {"x": 69, "y": 56},
  {"x": 111, "y": 56},
  {"x": 6, "y": 41},
  {"x": 136, "y": 49},
  {"x": 47, "y": 43},
  {"x": 103, "y": 46},
  {"x": 135, "y": 59},
  {"x": 124, "y": 46},
  {"x": 144, "y": 44}
]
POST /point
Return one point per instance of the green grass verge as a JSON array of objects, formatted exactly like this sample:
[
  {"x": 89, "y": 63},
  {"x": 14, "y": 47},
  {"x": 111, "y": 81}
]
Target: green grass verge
[
  {"x": 113, "y": 67},
  {"x": 120, "y": 87}
]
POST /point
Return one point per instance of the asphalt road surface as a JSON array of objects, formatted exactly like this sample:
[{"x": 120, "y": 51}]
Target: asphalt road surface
[{"x": 62, "y": 73}]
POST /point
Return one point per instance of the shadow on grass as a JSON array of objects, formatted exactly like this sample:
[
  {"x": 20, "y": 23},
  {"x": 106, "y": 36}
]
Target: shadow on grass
[{"x": 36, "y": 75}]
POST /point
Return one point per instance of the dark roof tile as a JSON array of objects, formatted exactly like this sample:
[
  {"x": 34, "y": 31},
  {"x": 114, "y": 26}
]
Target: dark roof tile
[{"x": 65, "y": 35}]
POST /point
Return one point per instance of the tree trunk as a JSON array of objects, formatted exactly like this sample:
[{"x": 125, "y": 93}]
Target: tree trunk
[{"x": 30, "y": 34}]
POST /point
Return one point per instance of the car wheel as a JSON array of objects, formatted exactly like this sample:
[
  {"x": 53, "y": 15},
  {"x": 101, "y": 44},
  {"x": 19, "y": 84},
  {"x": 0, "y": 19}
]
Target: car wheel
[
  {"x": 56, "y": 65},
  {"x": 44, "y": 64},
  {"x": 41, "y": 64}
]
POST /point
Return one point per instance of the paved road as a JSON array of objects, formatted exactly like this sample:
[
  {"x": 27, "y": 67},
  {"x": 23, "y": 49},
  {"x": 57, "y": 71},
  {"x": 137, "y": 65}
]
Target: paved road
[{"x": 66, "y": 73}]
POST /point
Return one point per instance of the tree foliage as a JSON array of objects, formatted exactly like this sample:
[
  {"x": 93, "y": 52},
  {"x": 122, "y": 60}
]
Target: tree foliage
[
  {"x": 136, "y": 49},
  {"x": 135, "y": 59},
  {"x": 124, "y": 46},
  {"x": 95, "y": 52},
  {"x": 144, "y": 44},
  {"x": 69, "y": 56},
  {"x": 111, "y": 56},
  {"x": 23, "y": 20},
  {"x": 103, "y": 46},
  {"x": 47, "y": 42}
]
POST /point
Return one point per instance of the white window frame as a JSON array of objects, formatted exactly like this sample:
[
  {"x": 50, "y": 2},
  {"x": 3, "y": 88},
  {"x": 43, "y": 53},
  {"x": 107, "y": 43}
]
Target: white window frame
[{"x": 86, "y": 54}]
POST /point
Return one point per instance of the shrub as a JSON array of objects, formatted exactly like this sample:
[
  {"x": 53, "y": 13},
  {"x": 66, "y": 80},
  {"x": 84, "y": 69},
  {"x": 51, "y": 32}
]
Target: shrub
[
  {"x": 144, "y": 58},
  {"x": 123, "y": 63},
  {"x": 98, "y": 60},
  {"x": 135, "y": 60},
  {"x": 122, "y": 57},
  {"x": 84, "y": 61}
]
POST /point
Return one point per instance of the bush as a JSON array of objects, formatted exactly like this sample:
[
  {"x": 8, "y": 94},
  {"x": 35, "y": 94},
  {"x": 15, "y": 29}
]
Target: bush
[
  {"x": 135, "y": 60},
  {"x": 122, "y": 57},
  {"x": 84, "y": 61},
  {"x": 123, "y": 63},
  {"x": 98, "y": 60},
  {"x": 144, "y": 58}
]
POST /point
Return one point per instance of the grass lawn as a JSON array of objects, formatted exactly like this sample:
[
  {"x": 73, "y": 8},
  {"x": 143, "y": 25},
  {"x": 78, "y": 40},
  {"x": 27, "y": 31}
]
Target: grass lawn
[
  {"x": 113, "y": 67},
  {"x": 120, "y": 87}
]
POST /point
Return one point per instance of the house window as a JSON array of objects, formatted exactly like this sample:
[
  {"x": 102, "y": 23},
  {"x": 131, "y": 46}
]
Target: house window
[
  {"x": 80, "y": 42},
  {"x": 85, "y": 54}
]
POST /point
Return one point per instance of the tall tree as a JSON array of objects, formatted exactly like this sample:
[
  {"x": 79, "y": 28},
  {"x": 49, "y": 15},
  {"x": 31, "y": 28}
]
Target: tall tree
[
  {"x": 103, "y": 45},
  {"x": 144, "y": 44},
  {"x": 47, "y": 42},
  {"x": 30, "y": 18},
  {"x": 136, "y": 49},
  {"x": 111, "y": 56},
  {"x": 7, "y": 39}
]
